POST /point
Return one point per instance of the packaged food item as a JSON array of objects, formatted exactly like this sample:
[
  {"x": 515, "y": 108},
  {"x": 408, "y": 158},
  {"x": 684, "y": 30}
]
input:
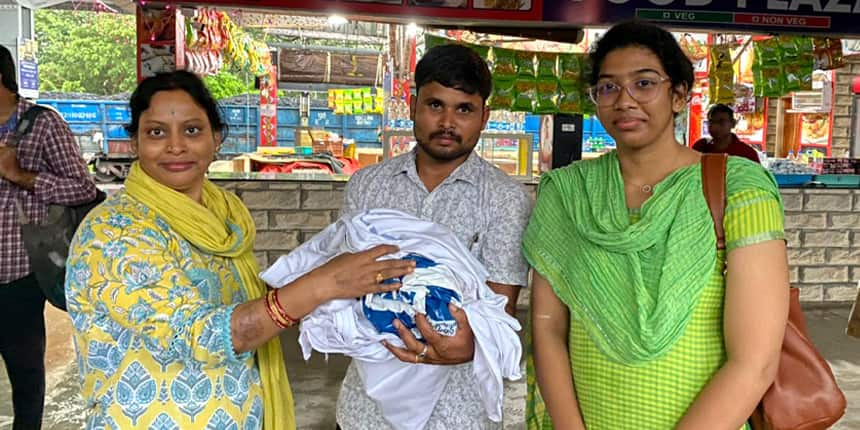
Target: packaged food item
[
  {"x": 331, "y": 99},
  {"x": 348, "y": 106},
  {"x": 525, "y": 64},
  {"x": 767, "y": 52},
  {"x": 482, "y": 50},
  {"x": 769, "y": 81},
  {"x": 547, "y": 63},
  {"x": 525, "y": 93},
  {"x": 827, "y": 53},
  {"x": 722, "y": 75},
  {"x": 571, "y": 101},
  {"x": 570, "y": 69},
  {"x": 502, "y": 96},
  {"x": 339, "y": 105},
  {"x": 695, "y": 50},
  {"x": 379, "y": 101},
  {"x": 367, "y": 100},
  {"x": 547, "y": 96},
  {"x": 504, "y": 64}
]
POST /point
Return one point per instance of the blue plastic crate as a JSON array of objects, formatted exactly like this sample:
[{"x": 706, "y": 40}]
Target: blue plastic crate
[{"x": 793, "y": 180}]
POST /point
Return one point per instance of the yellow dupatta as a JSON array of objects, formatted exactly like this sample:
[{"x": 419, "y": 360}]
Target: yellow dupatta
[{"x": 223, "y": 226}]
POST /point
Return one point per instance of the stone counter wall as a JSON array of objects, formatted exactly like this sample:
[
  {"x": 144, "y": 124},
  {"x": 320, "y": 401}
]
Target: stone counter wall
[{"x": 822, "y": 226}]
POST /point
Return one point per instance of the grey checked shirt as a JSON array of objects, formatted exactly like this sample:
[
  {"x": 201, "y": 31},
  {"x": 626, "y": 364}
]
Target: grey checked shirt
[{"x": 488, "y": 211}]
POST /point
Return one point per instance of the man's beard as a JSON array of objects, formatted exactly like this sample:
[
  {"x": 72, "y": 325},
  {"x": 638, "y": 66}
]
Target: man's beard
[{"x": 450, "y": 153}]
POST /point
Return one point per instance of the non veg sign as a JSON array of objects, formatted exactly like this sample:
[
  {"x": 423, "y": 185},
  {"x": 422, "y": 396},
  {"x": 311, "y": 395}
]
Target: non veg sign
[
  {"x": 778, "y": 20},
  {"x": 827, "y": 6}
]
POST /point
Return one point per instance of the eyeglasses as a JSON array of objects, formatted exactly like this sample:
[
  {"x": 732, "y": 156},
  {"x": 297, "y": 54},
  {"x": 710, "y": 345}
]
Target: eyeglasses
[{"x": 642, "y": 90}]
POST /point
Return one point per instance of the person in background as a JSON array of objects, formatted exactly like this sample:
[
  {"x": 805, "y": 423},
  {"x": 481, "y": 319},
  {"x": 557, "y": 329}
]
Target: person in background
[
  {"x": 721, "y": 121},
  {"x": 635, "y": 323},
  {"x": 172, "y": 326},
  {"x": 44, "y": 168},
  {"x": 443, "y": 180}
]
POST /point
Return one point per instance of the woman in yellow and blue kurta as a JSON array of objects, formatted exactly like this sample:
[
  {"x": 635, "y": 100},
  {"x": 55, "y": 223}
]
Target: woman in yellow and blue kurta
[
  {"x": 635, "y": 324},
  {"x": 173, "y": 328}
]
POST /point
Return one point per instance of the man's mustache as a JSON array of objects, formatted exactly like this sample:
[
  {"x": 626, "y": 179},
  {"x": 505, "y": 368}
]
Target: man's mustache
[{"x": 442, "y": 134}]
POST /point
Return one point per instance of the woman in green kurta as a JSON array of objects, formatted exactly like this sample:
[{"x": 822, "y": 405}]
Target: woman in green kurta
[{"x": 635, "y": 326}]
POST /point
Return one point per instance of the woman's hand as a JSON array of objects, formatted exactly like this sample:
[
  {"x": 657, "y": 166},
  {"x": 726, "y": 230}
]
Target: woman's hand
[{"x": 356, "y": 274}]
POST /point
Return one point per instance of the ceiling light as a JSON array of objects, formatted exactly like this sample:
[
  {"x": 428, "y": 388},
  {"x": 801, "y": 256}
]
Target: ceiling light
[{"x": 335, "y": 20}]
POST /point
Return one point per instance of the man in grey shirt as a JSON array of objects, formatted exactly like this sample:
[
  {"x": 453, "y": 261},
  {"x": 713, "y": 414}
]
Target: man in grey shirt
[{"x": 445, "y": 181}]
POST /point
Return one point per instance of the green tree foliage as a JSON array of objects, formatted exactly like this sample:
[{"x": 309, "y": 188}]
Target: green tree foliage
[
  {"x": 228, "y": 83},
  {"x": 86, "y": 51}
]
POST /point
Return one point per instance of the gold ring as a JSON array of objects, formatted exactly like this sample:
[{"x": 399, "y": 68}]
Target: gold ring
[
  {"x": 420, "y": 356},
  {"x": 379, "y": 277}
]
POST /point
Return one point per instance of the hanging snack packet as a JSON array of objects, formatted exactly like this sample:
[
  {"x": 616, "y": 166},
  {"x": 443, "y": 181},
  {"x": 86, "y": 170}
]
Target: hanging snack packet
[
  {"x": 547, "y": 96},
  {"x": 721, "y": 75},
  {"x": 339, "y": 105},
  {"x": 767, "y": 52},
  {"x": 525, "y": 93},
  {"x": 331, "y": 99},
  {"x": 570, "y": 69},
  {"x": 547, "y": 63},
  {"x": 504, "y": 64},
  {"x": 828, "y": 53},
  {"x": 379, "y": 101},
  {"x": 348, "y": 106},
  {"x": 357, "y": 102},
  {"x": 502, "y": 97},
  {"x": 367, "y": 100},
  {"x": 788, "y": 47},
  {"x": 571, "y": 101},
  {"x": 482, "y": 50},
  {"x": 525, "y": 64}
]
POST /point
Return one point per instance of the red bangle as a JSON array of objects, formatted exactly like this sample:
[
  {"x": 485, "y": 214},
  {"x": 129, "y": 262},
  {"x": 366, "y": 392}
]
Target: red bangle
[
  {"x": 292, "y": 321},
  {"x": 270, "y": 309}
]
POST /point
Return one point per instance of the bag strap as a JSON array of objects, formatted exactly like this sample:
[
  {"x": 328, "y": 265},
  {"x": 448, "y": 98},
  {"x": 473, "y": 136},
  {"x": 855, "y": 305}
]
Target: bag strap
[
  {"x": 25, "y": 123},
  {"x": 714, "y": 188}
]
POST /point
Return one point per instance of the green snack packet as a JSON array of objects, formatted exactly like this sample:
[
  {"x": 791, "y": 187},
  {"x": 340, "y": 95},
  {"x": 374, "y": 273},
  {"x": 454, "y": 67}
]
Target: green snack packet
[
  {"x": 525, "y": 93},
  {"x": 504, "y": 64},
  {"x": 547, "y": 63},
  {"x": 570, "y": 68},
  {"x": 525, "y": 64},
  {"x": 767, "y": 52},
  {"x": 502, "y": 96},
  {"x": 367, "y": 100},
  {"x": 547, "y": 96},
  {"x": 571, "y": 101}
]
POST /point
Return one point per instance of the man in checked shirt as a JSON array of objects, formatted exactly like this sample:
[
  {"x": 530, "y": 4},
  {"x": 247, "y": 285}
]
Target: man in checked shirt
[{"x": 46, "y": 168}]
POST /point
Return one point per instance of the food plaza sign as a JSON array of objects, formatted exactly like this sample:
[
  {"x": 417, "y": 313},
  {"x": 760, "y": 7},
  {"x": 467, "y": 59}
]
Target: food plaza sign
[{"x": 838, "y": 17}]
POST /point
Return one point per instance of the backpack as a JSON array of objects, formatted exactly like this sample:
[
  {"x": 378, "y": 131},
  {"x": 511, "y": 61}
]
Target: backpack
[{"x": 47, "y": 243}]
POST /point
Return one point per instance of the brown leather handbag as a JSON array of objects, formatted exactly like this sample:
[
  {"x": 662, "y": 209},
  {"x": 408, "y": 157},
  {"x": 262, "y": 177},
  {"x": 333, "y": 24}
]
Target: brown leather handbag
[{"x": 804, "y": 395}]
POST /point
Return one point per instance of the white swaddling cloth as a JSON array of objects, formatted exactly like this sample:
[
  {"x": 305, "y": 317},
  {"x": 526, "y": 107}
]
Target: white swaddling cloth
[{"x": 405, "y": 392}]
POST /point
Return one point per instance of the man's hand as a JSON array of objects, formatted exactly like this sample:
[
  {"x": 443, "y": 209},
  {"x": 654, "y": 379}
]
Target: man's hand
[
  {"x": 9, "y": 167},
  {"x": 12, "y": 171},
  {"x": 439, "y": 349}
]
